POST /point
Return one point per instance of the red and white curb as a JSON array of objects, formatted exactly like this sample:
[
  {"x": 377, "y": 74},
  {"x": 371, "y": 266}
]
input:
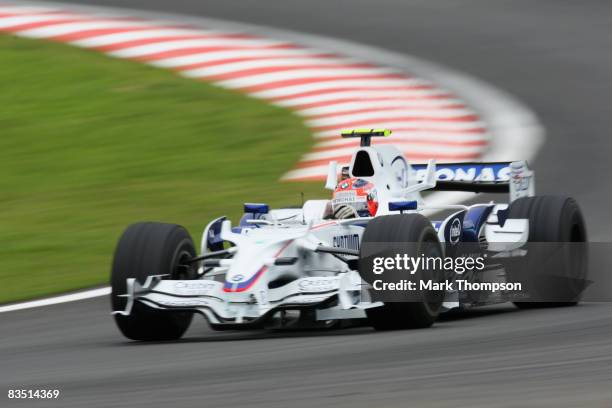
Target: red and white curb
[
  {"x": 434, "y": 112},
  {"x": 331, "y": 91}
]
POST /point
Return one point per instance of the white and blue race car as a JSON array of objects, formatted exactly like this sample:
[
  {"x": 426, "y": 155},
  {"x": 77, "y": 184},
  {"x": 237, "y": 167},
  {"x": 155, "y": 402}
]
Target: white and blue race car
[{"x": 312, "y": 266}]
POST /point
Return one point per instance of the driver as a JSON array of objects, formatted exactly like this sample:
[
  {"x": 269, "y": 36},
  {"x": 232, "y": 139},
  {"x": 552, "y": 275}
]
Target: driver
[{"x": 354, "y": 197}]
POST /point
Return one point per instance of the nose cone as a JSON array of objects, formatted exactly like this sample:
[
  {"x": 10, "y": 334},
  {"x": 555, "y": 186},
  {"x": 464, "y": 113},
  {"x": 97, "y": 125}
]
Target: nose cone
[
  {"x": 249, "y": 264},
  {"x": 256, "y": 251}
]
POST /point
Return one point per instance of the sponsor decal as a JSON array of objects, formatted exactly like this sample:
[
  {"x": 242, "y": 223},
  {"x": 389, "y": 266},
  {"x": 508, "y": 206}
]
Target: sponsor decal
[
  {"x": 263, "y": 297},
  {"x": 184, "y": 303},
  {"x": 318, "y": 285},
  {"x": 342, "y": 197},
  {"x": 237, "y": 278},
  {"x": 520, "y": 181},
  {"x": 360, "y": 183},
  {"x": 399, "y": 167},
  {"x": 455, "y": 231},
  {"x": 195, "y": 287},
  {"x": 372, "y": 195},
  {"x": 307, "y": 299},
  {"x": 478, "y": 172},
  {"x": 350, "y": 241}
]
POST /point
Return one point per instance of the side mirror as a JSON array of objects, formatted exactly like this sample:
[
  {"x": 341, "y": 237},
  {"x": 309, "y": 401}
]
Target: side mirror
[
  {"x": 402, "y": 206},
  {"x": 256, "y": 208}
]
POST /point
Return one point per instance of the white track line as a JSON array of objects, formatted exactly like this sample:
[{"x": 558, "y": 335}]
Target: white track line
[{"x": 71, "y": 297}]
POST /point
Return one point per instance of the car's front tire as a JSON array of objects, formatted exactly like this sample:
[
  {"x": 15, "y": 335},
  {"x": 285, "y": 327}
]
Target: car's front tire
[
  {"x": 143, "y": 250},
  {"x": 413, "y": 235}
]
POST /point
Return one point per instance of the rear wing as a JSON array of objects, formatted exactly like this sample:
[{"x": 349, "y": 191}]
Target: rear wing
[{"x": 479, "y": 177}]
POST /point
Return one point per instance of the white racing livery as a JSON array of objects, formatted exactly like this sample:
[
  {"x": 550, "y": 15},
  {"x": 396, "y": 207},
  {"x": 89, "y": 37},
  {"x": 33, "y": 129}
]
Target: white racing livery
[{"x": 303, "y": 267}]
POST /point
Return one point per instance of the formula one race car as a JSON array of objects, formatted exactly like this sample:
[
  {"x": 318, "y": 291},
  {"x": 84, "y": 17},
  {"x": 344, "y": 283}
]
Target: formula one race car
[{"x": 312, "y": 266}]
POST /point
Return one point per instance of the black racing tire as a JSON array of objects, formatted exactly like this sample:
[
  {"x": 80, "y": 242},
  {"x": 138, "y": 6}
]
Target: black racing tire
[
  {"x": 410, "y": 234},
  {"x": 146, "y": 249},
  {"x": 553, "y": 220}
]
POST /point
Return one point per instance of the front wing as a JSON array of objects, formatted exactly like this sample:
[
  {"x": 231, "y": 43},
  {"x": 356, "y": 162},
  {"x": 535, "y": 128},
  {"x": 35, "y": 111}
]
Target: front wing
[{"x": 336, "y": 297}]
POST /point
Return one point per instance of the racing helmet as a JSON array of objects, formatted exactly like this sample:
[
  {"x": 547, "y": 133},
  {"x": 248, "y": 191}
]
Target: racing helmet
[{"x": 358, "y": 194}]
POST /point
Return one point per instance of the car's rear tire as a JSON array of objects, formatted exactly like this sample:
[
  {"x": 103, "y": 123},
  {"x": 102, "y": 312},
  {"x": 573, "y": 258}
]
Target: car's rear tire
[
  {"x": 143, "y": 250},
  {"x": 410, "y": 234},
  {"x": 553, "y": 221}
]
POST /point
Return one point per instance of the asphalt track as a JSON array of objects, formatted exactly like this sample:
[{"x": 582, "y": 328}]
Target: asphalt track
[{"x": 553, "y": 55}]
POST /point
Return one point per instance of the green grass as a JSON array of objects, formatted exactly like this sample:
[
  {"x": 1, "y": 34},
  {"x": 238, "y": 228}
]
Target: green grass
[{"x": 90, "y": 144}]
